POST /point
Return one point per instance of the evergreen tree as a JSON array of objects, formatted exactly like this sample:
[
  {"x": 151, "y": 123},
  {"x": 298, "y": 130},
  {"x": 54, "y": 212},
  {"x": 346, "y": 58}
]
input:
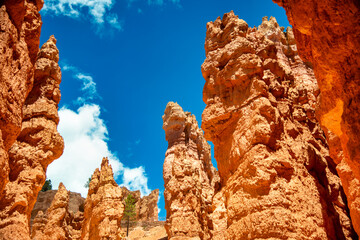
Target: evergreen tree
[
  {"x": 87, "y": 184},
  {"x": 129, "y": 212},
  {"x": 47, "y": 185}
]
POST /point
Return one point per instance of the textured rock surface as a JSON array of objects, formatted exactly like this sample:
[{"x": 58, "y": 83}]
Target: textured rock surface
[
  {"x": 328, "y": 35},
  {"x": 278, "y": 180},
  {"x": 153, "y": 233},
  {"x": 36, "y": 146},
  {"x": 58, "y": 222},
  {"x": 190, "y": 179},
  {"x": 146, "y": 207},
  {"x": 103, "y": 206},
  {"x": 44, "y": 199},
  {"x": 20, "y": 25}
]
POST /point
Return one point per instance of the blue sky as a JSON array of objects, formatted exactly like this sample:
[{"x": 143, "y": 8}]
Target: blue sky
[{"x": 122, "y": 61}]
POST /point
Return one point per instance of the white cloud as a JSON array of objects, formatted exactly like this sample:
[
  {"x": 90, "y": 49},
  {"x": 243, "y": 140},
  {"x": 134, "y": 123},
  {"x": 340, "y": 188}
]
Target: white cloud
[
  {"x": 95, "y": 9},
  {"x": 159, "y": 209},
  {"x": 86, "y": 136},
  {"x": 135, "y": 179}
]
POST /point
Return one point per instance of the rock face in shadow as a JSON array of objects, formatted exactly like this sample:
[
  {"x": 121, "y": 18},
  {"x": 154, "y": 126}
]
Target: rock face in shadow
[
  {"x": 327, "y": 34},
  {"x": 145, "y": 207},
  {"x": 37, "y": 143},
  {"x": 277, "y": 178},
  {"x": 58, "y": 222},
  {"x": 103, "y": 206},
  {"x": 190, "y": 179}
]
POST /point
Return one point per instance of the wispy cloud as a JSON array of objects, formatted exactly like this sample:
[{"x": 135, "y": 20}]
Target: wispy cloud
[
  {"x": 88, "y": 84},
  {"x": 161, "y": 2},
  {"x": 96, "y": 10}
]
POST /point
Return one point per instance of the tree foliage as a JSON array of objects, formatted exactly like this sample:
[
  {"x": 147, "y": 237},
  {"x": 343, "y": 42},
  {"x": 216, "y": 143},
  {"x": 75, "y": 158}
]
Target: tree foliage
[
  {"x": 129, "y": 211},
  {"x": 87, "y": 184},
  {"x": 47, "y": 185}
]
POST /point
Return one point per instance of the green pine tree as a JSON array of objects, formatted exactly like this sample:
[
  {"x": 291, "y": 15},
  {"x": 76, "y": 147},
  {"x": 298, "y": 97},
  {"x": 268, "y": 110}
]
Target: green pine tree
[
  {"x": 87, "y": 184},
  {"x": 47, "y": 185},
  {"x": 129, "y": 212}
]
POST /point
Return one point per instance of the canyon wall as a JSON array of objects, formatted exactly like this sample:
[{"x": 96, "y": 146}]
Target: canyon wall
[
  {"x": 103, "y": 206},
  {"x": 327, "y": 34},
  {"x": 190, "y": 179},
  {"x": 29, "y": 83}
]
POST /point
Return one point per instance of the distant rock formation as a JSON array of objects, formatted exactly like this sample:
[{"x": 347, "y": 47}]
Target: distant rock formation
[
  {"x": 103, "y": 206},
  {"x": 327, "y": 34},
  {"x": 189, "y": 176},
  {"x": 146, "y": 207},
  {"x": 44, "y": 200},
  {"x": 58, "y": 222},
  {"x": 29, "y": 97}
]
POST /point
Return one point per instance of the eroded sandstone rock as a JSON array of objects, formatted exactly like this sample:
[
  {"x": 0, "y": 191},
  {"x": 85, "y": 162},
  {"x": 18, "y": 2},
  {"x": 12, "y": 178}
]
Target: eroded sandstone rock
[
  {"x": 103, "y": 206},
  {"x": 20, "y": 24},
  {"x": 145, "y": 207},
  {"x": 189, "y": 176},
  {"x": 58, "y": 222},
  {"x": 44, "y": 200},
  {"x": 327, "y": 34},
  {"x": 37, "y": 144},
  {"x": 278, "y": 180}
]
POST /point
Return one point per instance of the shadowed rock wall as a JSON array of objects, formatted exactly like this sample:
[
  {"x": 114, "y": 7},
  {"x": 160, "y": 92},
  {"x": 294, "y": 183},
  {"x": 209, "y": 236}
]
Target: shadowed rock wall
[{"x": 327, "y": 34}]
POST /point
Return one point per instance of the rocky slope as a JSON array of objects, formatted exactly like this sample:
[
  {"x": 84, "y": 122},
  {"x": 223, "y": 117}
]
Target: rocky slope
[
  {"x": 103, "y": 206},
  {"x": 190, "y": 179},
  {"x": 328, "y": 35},
  {"x": 29, "y": 83}
]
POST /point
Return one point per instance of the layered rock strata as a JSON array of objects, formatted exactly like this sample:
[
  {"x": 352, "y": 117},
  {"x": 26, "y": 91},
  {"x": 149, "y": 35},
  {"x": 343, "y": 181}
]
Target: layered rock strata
[
  {"x": 190, "y": 179},
  {"x": 145, "y": 207},
  {"x": 327, "y": 34},
  {"x": 103, "y": 206},
  {"x": 58, "y": 222},
  {"x": 37, "y": 144},
  {"x": 277, "y": 177}
]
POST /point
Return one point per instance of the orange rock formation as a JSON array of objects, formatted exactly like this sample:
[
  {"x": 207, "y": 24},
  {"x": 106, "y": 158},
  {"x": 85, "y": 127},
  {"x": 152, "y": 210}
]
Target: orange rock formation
[
  {"x": 20, "y": 37},
  {"x": 327, "y": 34},
  {"x": 44, "y": 200},
  {"x": 58, "y": 222},
  {"x": 190, "y": 179},
  {"x": 277, "y": 177},
  {"x": 103, "y": 206},
  {"x": 145, "y": 207},
  {"x": 32, "y": 95}
]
